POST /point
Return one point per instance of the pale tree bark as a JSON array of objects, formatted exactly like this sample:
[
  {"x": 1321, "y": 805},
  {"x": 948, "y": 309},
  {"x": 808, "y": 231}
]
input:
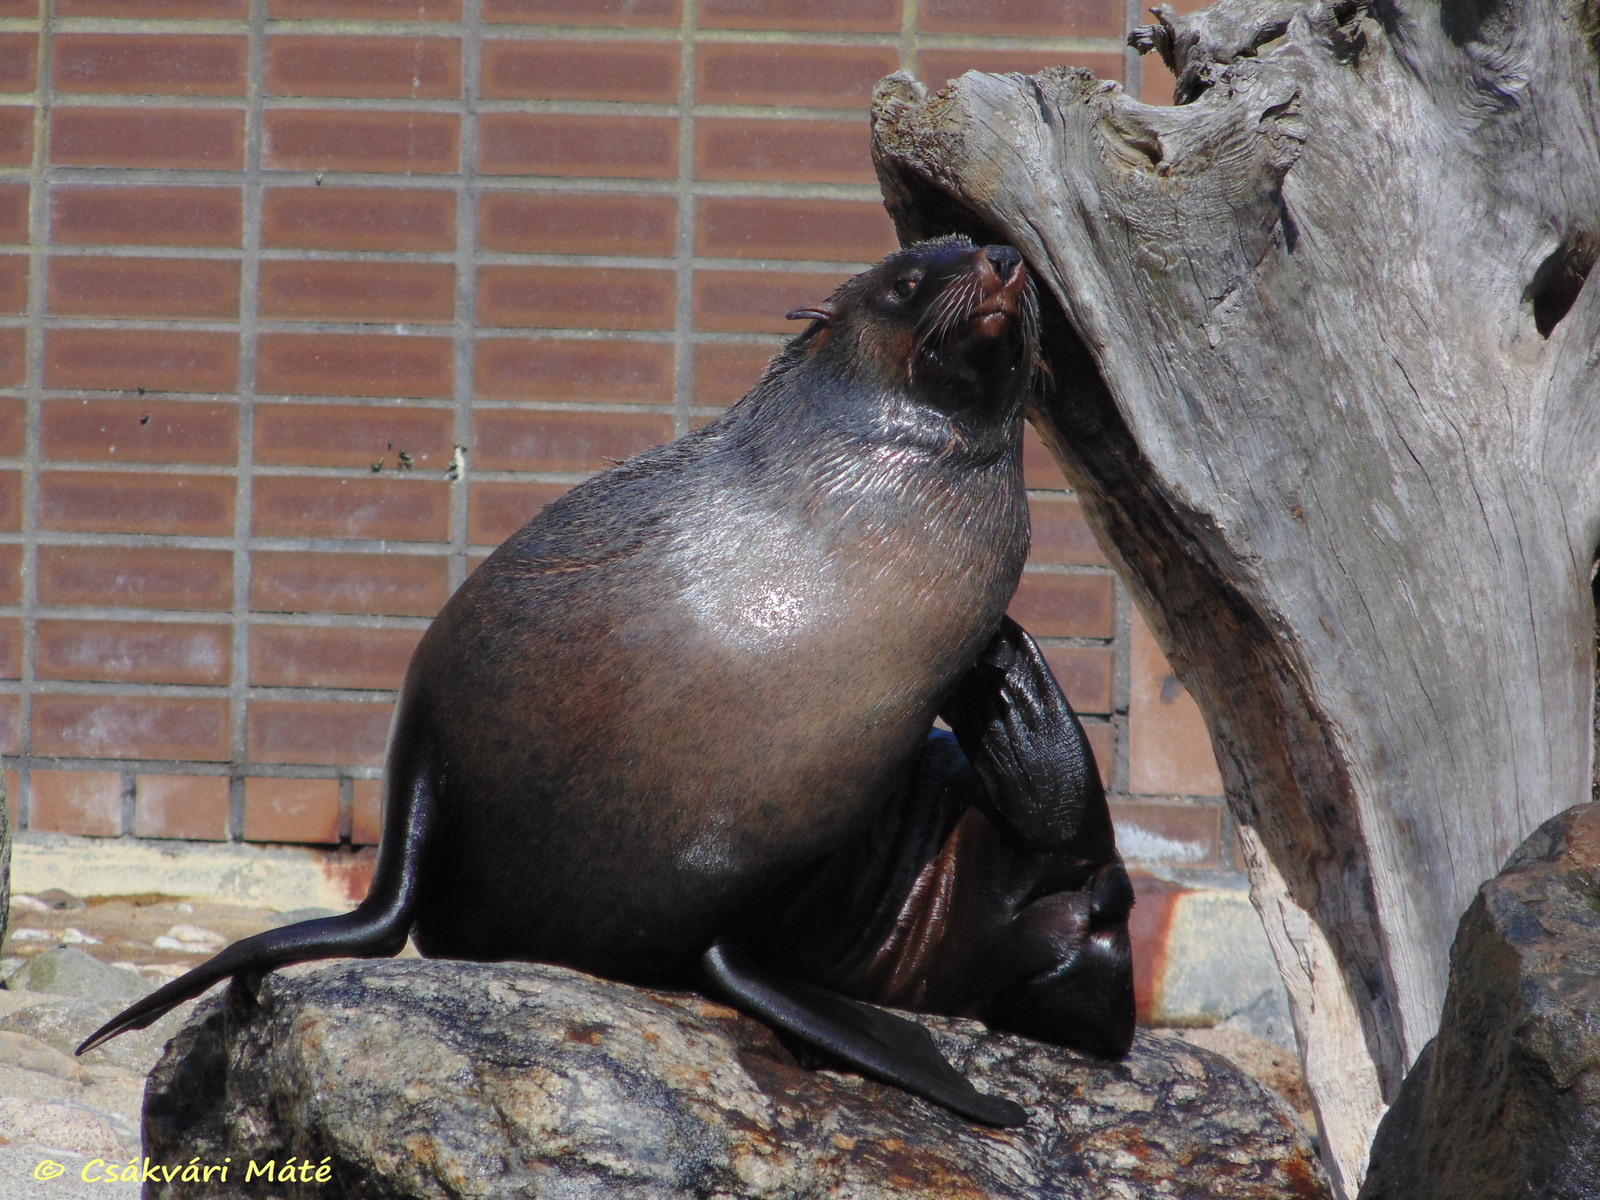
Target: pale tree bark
[{"x": 1327, "y": 378}]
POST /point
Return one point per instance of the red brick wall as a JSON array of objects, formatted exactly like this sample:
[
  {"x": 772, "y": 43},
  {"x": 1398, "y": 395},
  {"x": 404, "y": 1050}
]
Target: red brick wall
[{"x": 272, "y": 267}]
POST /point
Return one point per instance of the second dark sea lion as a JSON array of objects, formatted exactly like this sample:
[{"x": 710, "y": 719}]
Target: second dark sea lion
[{"x": 677, "y": 710}]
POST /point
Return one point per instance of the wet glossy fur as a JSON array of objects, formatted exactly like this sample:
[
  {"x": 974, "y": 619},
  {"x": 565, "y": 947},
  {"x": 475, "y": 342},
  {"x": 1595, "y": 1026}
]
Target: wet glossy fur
[{"x": 703, "y": 671}]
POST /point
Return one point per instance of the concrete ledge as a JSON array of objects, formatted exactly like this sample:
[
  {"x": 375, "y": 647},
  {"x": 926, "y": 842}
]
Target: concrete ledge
[
  {"x": 278, "y": 877},
  {"x": 1200, "y": 956}
]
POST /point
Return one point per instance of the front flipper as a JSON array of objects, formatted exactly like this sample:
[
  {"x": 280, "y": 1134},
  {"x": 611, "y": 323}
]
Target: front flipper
[
  {"x": 1025, "y": 743},
  {"x": 874, "y": 1042}
]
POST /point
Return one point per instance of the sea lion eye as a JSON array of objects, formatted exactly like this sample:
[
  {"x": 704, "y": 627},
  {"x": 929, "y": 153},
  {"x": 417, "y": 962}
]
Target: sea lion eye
[{"x": 905, "y": 287}]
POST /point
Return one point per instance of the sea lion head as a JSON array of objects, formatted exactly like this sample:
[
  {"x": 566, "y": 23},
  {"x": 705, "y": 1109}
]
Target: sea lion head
[{"x": 955, "y": 323}]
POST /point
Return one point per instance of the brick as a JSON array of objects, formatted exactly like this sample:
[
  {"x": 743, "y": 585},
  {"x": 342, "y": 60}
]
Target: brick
[
  {"x": 577, "y": 297},
  {"x": 1156, "y": 82},
  {"x": 1172, "y": 835},
  {"x": 13, "y": 284},
  {"x": 115, "y": 286},
  {"x": 1039, "y": 466},
  {"x": 134, "y": 652},
  {"x": 767, "y": 227},
  {"x": 353, "y": 218},
  {"x": 11, "y": 734},
  {"x": 146, "y": 215},
  {"x": 351, "y": 364},
  {"x": 584, "y": 12},
  {"x": 25, "y": 9},
  {"x": 395, "y": 68},
  {"x": 337, "y": 657},
  {"x": 142, "y": 727},
  {"x": 643, "y": 72},
  {"x": 140, "y": 431},
  {"x": 1084, "y": 674},
  {"x": 87, "y": 803},
  {"x": 823, "y": 16},
  {"x": 1169, "y": 750},
  {"x": 10, "y": 648},
  {"x": 577, "y": 223},
  {"x": 134, "y": 64},
  {"x": 497, "y": 510},
  {"x": 357, "y": 291},
  {"x": 1063, "y": 605},
  {"x": 11, "y": 574},
  {"x": 13, "y": 357},
  {"x": 1041, "y": 18},
  {"x": 348, "y": 435},
  {"x": 573, "y": 369},
  {"x": 152, "y": 360},
  {"x": 16, "y": 136},
  {"x": 131, "y": 502},
  {"x": 1060, "y": 534},
  {"x": 515, "y": 440},
  {"x": 19, "y": 61},
  {"x": 939, "y": 67},
  {"x": 404, "y": 510},
  {"x": 192, "y": 807},
  {"x": 14, "y": 214},
  {"x": 365, "y": 10},
  {"x": 756, "y": 301},
  {"x": 136, "y": 577},
  {"x": 366, "y": 812},
  {"x": 782, "y": 150},
  {"x": 11, "y": 501},
  {"x": 291, "y": 810},
  {"x": 202, "y": 139},
  {"x": 791, "y": 73},
  {"x": 567, "y": 145},
  {"x": 13, "y": 792},
  {"x": 403, "y": 585},
  {"x": 154, "y": 9},
  {"x": 13, "y": 427},
  {"x": 725, "y": 371},
  {"x": 318, "y": 732},
  {"x": 342, "y": 140}
]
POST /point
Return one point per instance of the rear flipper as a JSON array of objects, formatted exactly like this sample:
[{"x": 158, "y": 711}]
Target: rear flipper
[
  {"x": 376, "y": 929},
  {"x": 355, "y": 934},
  {"x": 874, "y": 1042}
]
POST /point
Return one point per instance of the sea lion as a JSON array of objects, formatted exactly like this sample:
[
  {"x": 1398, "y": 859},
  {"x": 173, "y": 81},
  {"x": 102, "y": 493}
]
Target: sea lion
[{"x": 681, "y": 695}]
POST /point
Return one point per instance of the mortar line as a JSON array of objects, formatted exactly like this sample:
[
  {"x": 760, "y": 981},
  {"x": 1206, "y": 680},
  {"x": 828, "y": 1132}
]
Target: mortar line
[
  {"x": 466, "y": 258},
  {"x": 38, "y": 265},
  {"x": 1121, "y": 687},
  {"x": 1131, "y": 68},
  {"x": 238, "y": 704},
  {"x": 683, "y": 310},
  {"x": 908, "y": 36}
]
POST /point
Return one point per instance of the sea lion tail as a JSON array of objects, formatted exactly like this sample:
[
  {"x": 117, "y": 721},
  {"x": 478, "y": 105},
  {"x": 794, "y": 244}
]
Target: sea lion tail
[{"x": 377, "y": 928}]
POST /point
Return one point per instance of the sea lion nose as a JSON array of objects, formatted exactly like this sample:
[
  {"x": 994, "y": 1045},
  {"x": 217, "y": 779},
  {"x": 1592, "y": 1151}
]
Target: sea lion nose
[
  {"x": 1006, "y": 261},
  {"x": 1112, "y": 897}
]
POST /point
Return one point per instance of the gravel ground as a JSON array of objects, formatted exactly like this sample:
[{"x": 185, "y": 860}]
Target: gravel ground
[{"x": 69, "y": 1111}]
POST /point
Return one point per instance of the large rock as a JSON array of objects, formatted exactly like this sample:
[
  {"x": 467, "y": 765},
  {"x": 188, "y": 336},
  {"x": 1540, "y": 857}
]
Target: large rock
[
  {"x": 433, "y": 1079},
  {"x": 1505, "y": 1101}
]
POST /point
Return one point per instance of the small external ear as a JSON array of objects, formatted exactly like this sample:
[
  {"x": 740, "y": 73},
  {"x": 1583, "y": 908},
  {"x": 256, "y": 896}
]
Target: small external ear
[{"x": 821, "y": 313}]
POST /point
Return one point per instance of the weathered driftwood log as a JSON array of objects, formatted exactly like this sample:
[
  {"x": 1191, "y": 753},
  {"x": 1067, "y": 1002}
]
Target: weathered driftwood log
[{"x": 1326, "y": 379}]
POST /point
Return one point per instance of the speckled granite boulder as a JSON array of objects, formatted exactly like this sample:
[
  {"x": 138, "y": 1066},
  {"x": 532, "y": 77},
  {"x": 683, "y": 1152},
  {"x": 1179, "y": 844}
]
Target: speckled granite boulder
[
  {"x": 441, "y": 1079},
  {"x": 1505, "y": 1101}
]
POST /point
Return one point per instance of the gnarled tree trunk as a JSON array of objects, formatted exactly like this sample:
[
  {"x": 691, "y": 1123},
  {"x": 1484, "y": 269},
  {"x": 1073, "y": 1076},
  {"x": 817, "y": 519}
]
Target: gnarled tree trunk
[{"x": 1328, "y": 382}]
